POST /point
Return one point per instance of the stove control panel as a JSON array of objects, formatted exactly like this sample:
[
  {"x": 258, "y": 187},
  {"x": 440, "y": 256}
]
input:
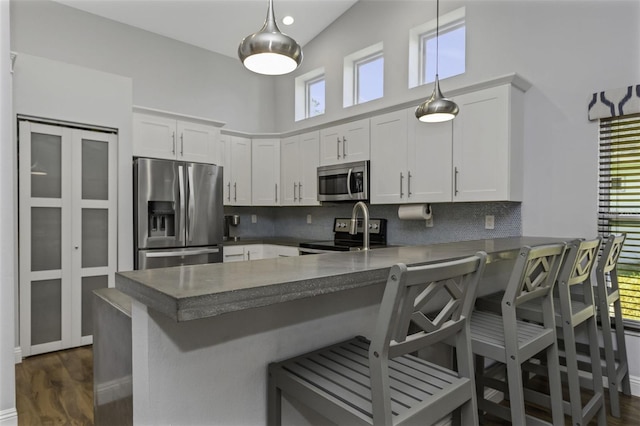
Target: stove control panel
[{"x": 342, "y": 225}]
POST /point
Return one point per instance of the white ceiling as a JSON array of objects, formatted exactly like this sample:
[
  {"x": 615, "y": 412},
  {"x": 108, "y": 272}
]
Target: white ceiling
[{"x": 217, "y": 25}]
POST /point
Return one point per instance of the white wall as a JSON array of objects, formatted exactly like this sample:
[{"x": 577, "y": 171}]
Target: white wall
[
  {"x": 167, "y": 74},
  {"x": 8, "y": 414}
]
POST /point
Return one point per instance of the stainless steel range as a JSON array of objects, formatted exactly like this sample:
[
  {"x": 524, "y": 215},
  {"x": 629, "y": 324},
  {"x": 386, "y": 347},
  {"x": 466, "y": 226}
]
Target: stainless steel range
[{"x": 343, "y": 241}]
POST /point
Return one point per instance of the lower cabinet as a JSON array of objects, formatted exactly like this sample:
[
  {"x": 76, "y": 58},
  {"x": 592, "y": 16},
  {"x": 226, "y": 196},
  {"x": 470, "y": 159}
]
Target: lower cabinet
[{"x": 257, "y": 251}]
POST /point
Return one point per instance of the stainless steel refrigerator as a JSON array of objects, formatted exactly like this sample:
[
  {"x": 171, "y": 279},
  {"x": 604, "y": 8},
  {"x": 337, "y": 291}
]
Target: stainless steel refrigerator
[{"x": 178, "y": 213}]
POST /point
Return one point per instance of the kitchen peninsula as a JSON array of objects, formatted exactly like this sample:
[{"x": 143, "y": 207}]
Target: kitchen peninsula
[{"x": 203, "y": 335}]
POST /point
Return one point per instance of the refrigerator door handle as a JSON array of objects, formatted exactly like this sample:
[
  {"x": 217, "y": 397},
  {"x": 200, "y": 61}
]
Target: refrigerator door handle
[
  {"x": 181, "y": 253},
  {"x": 181, "y": 194},
  {"x": 192, "y": 202}
]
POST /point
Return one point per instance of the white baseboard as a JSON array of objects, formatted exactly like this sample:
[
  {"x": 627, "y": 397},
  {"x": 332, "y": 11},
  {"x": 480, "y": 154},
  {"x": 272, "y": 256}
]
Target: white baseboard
[
  {"x": 113, "y": 390},
  {"x": 17, "y": 354},
  {"x": 635, "y": 385},
  {"x": 9, "y": 417}
]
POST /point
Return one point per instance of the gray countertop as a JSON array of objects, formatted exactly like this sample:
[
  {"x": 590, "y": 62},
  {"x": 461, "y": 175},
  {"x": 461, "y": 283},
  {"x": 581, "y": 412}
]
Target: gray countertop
[
  {"x": 279, "y": 241},
  {"x": 191, "y": 292}
]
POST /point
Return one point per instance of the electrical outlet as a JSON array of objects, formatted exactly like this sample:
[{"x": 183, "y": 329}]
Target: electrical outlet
[
  {"x": 254, "y": 218},
  {"x": 429, "y": 222},
  {"x": 308, "y": 218},
  {"x": 489, "y": 222}
]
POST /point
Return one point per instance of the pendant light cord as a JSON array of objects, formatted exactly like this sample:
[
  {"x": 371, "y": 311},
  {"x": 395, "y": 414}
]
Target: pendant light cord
[{"x": 437, "y": 34}]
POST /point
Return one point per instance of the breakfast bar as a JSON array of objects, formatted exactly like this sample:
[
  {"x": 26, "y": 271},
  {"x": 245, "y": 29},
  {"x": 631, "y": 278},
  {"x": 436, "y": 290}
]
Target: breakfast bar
[{"x": 203, "y": 335}]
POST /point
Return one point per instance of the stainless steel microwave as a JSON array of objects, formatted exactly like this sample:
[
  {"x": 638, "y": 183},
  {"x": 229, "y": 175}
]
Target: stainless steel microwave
[{"x": 344, "y": 182}]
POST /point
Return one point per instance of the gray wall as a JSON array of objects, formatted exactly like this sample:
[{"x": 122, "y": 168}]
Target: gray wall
[
  {"x": 8, "y": 274},
  {"x": 167, "y": 74}
]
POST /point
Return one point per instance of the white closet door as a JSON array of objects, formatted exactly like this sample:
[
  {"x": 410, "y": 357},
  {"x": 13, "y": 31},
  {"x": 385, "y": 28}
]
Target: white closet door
[
  {"x": 94, "y": 222},
  {"x": 67, "y": 202},
  {"x": 44, "y": 230}
]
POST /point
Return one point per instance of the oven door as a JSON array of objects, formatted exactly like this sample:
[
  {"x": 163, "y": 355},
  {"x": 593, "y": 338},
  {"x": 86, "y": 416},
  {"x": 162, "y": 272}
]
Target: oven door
[{"x": 344, "y": 182}]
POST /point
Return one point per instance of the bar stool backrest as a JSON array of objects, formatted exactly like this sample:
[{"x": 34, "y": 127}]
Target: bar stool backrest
[
  {"x": 574, "y": 279},
  {"x": 534, "y": 275},
  {"x": 610, "y": 254},
  {"x": 408, "y": 289}
]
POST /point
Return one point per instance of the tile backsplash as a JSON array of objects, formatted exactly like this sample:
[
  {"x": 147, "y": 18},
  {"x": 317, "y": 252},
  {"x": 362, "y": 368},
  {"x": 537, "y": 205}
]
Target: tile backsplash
[{"x": 451, "y": 222}]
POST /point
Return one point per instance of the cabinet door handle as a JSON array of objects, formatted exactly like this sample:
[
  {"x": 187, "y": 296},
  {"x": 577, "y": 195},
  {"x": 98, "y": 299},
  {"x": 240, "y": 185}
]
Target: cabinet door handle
[
  {"x": 181, "y": 145},
  {"x": 408, "y": 184},
  {"x": 338, "y": 146},
  {"x": 299, "y": 191},
  {"x": 294, "y": 191},
  {"x": 248, "y": 255},
  {"x": 455, "y": 181},
  {"x": 235, "y": 191},
  {"x": 401, "y": 179},
  {"x": 276, "y": 192},
  {"x": 229, "y": 186},
  {"x": 344, "y": 147},
  {"x": 173, "y": 142}
]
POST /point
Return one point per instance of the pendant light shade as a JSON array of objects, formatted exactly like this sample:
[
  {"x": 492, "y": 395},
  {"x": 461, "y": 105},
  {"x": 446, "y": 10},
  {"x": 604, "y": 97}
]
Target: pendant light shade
[
  {"x": 437, "y": 108},
  {"x": 269, "y": 51}
]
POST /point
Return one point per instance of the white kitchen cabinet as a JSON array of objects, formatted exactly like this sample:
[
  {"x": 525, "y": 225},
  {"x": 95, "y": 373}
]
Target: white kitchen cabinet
[
  {"x": 299, "y": 163},
  {"x": 159, "y": 136},
  {"x": 235, "y": 152},
  {"x": 488, "y": 144},
  {"x": 265, "y": 172},
  {"x": 410, "y": 160},
  {"x": 68, "y": 239},
  {"x": 272, "y": 251},
  {"x": 345, "y": 143},
  {"x": 237, "y": 253}
]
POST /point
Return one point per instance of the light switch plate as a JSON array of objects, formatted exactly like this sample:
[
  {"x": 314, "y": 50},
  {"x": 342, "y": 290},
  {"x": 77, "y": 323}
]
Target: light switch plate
[
  {"x": 308, "y": 218},
  {"x": 254, "y": 218},
  {"x": 489, "y": 222}
]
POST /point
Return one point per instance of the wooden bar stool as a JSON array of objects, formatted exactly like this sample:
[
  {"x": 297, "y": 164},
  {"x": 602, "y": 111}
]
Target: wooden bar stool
[
  {"x": 504, "y": 336},
  {"x": 615, "y": 366},
  {"x": 358, "y": 382}
]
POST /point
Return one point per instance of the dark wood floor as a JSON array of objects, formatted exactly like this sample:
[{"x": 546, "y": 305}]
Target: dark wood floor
[{"x": 57, "y": 389}]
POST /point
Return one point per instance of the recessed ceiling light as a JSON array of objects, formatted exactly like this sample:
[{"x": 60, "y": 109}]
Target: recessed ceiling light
[{"x": 287, "y": 20}]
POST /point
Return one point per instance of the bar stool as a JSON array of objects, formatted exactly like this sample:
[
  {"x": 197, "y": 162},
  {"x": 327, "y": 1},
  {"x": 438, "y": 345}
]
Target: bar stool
[
  {"x": 358, "y": 382},
  {"x": 507, "y": 338},
  {"x": 615, "y": 366},
  {"x": 574, "y": 306}
]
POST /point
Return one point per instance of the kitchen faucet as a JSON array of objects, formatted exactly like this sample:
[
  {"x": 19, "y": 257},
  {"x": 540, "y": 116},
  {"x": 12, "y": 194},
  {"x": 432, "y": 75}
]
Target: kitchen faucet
[{"x": 353, "y": 229}]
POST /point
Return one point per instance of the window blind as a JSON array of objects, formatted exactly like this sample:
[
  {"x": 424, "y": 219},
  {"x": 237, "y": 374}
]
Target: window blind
[{"x": 619, "y": 204}]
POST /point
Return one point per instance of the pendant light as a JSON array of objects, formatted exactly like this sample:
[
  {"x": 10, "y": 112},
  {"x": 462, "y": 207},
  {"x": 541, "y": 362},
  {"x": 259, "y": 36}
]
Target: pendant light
[
  {"x": 437, "y": 108},
  {"x": 269, "y": 51}
]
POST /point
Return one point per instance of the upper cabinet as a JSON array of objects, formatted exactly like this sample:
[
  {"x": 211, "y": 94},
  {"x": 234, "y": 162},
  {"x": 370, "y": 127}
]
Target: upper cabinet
[
  {"x": 477, "y": 157},
  {"x": 235, "y": 152},
  {"x": 410, "y": 160},
  {"x": 299, "y": 160},
  {"x": 488, "y": 145},
  {"x": 265, "y": 172},
  {"x": 345, "y": 143},
  {"x": 160, "y": 136}
]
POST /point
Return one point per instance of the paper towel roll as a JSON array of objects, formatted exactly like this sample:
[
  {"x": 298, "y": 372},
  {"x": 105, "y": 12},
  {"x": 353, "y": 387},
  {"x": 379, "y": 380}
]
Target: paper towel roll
[{"x": 414, "y": 211}]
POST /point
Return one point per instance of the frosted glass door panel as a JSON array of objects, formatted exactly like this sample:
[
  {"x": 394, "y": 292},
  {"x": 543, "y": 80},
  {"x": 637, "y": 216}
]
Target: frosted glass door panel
[
  {"x": 95, "y": 170},
  {"x": 89, "y": 284},
  {"x": 46, "y": 310},
  {"x": 46, "y": 238},
  {"x": 46, "y": 165},
  {"x": 95, "y": 237}
]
